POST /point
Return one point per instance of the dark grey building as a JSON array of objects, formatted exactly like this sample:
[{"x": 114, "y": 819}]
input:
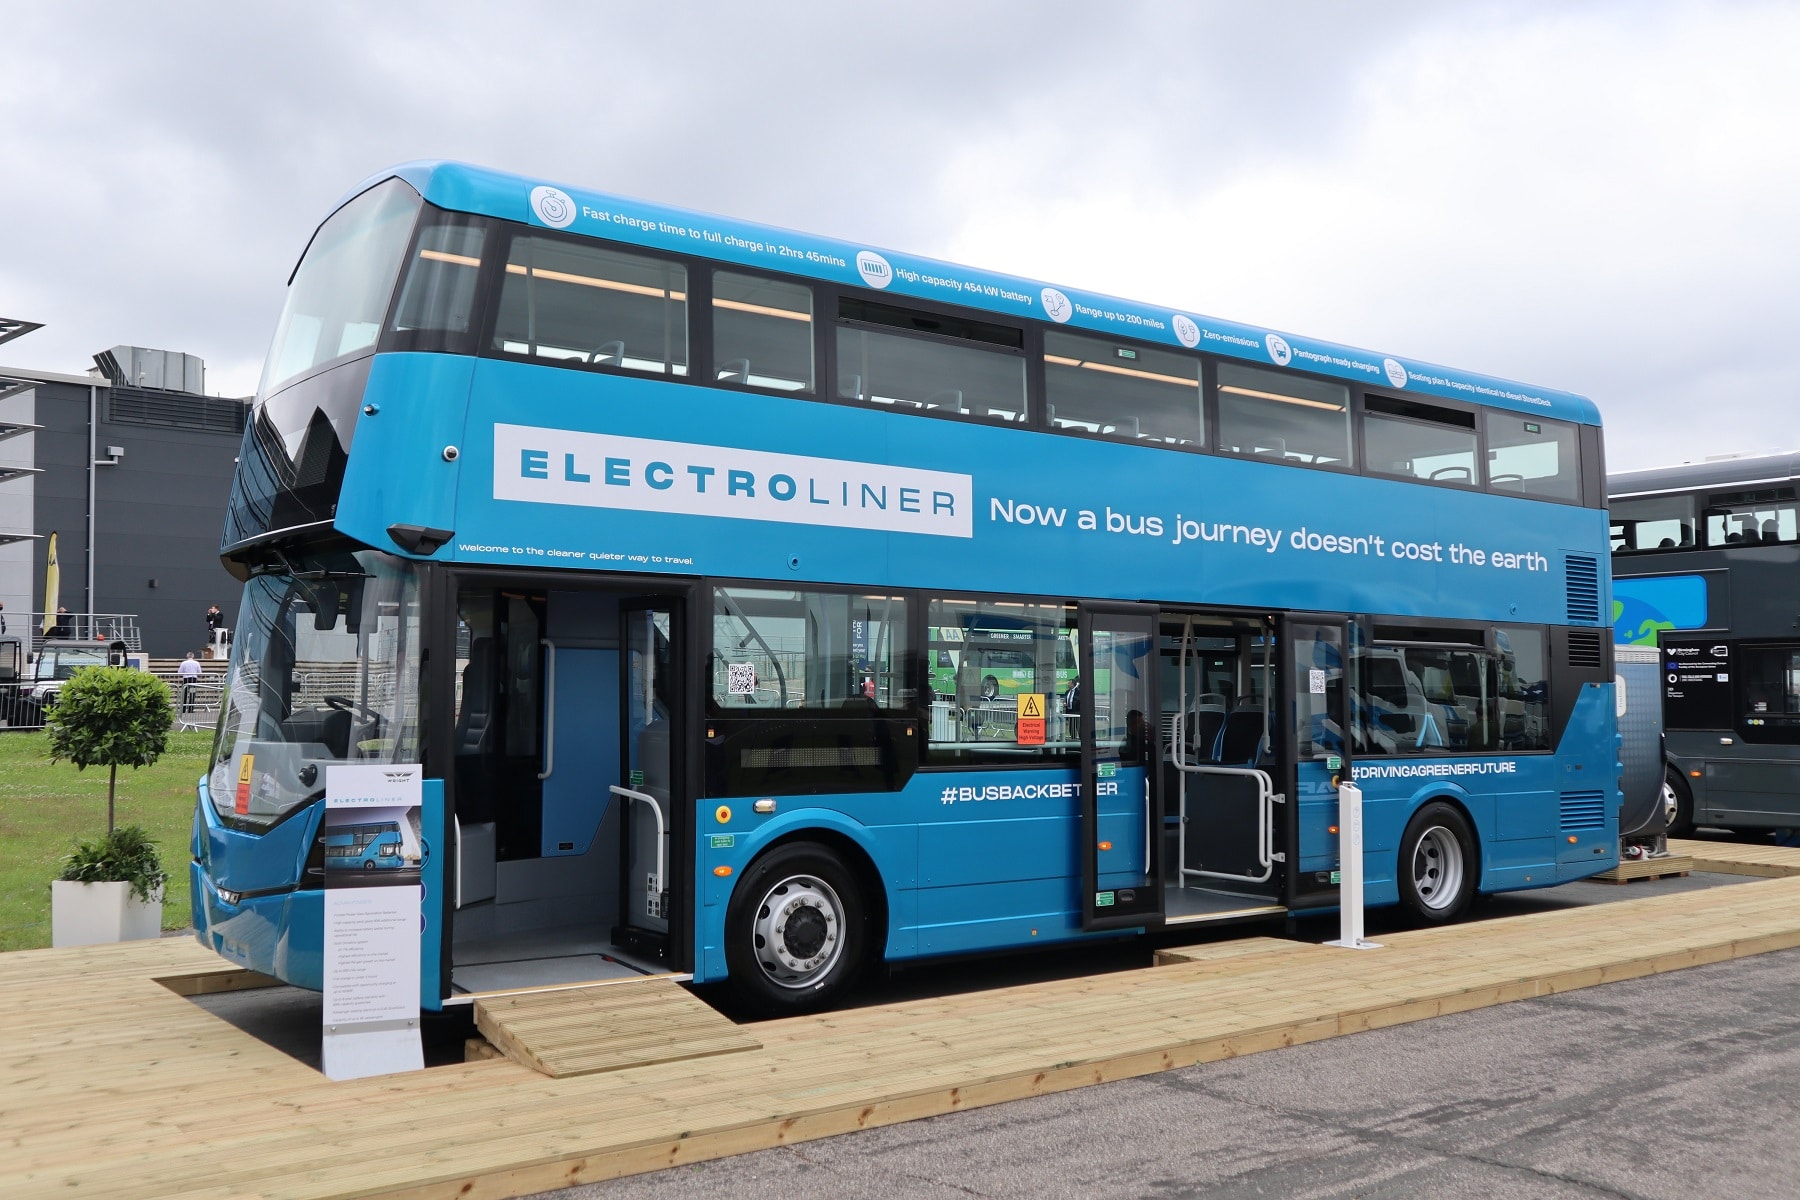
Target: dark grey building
[{"x": 130, "y": 466}]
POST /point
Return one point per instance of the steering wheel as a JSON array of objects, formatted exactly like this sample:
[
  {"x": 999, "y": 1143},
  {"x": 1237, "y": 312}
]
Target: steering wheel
[{"x": 346, "y": 704}]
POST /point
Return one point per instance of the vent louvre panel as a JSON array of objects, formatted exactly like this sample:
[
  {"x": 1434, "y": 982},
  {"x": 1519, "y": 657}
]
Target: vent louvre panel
[
  {"x": 1583, "y": 810},
  {"x": 1584, "y": 648},
  {"x": 1582, "y": 575},
  {"x": 177, "y": 410}
]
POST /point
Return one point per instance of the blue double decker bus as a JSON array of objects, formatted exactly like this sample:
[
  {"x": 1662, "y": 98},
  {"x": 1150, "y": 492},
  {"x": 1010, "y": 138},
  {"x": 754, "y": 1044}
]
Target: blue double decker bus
[{"x": 642, "y": 531}]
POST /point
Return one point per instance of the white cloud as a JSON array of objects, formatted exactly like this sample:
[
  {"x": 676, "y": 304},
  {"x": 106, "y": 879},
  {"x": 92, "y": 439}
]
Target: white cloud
[
  {"x": 1591, "y": 196},
  {"x": 1576, "y": 200}
]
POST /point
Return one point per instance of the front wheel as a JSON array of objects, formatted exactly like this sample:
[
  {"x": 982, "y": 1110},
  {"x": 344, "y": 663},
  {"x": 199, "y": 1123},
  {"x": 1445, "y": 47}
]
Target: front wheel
[
  {"x": 1678, "y": 802},
  {"x": 990, "y": 688},
  {"x": 1438, "y": 864},
  {"x": 796, "y": 930}
]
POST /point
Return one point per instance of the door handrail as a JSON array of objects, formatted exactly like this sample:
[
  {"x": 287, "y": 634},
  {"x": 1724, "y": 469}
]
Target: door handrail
[
  {"x": 1266, "y": 800},
  {"x": 656, "y": 811},
  {"x": 549, "y": 707}
]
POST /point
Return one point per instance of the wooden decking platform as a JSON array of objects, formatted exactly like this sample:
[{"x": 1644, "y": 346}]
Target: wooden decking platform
[
  {"x": 1730, "y": 858},
  {"x": 1673, "y": 866},
  {"x": 111, "y": 1084},
  {"x": 578, "y": 1031}
]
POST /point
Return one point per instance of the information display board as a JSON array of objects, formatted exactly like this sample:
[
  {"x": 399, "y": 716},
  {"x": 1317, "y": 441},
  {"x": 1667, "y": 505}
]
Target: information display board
[
  {"x": 1696, "y": 684},
  {"x": 375, "y": 850}
]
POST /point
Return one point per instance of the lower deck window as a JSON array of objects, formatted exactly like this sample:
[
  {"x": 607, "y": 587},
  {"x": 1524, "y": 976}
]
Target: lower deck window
[
  {"x": 985, "y": 655},
  {"x": 1423, "y": 699}
]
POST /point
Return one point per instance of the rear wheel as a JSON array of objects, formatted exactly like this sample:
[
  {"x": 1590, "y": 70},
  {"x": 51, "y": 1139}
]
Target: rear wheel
[
  {"x": 1438, "y": 864},
  {"x": 990, "y": 688},
  {"x": 1678, "y": 800},
  {"x": 796, "y": 930}
]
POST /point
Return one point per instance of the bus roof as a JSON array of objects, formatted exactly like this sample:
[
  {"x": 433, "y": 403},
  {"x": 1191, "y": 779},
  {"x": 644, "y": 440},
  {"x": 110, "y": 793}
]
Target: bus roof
[
  {"x": 464, "y": 188},
  {"x": 1739, "y": 470}
]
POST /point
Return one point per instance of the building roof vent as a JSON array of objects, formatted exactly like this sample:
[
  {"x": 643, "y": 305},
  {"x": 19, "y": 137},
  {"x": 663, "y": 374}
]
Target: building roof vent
[{"x": 165, "y": 370}]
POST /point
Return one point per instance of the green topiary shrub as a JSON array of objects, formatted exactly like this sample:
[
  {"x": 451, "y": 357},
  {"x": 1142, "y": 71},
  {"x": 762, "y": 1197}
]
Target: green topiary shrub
[
  {"x": 124, "y": 855},
  {"x": 110, "y": 717}
]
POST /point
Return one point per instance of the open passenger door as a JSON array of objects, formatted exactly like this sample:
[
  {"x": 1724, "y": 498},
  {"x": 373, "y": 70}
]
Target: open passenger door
[
  {"x": 1318, "y": 661},
  {"x": 1116, "y": 705}
]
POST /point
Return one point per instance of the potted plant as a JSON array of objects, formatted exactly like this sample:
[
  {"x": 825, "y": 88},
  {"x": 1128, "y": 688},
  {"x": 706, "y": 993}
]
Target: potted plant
[{"x": 109, "y": 891}]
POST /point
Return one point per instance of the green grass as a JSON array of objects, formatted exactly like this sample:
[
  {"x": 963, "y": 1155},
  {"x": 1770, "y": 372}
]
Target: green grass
[{"x": 46, "y": 807}]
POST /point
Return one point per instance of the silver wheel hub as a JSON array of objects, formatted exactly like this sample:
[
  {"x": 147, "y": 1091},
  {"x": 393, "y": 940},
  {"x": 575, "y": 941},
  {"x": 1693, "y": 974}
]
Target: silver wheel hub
[
  {"x": 1671, "y": 803},
  {"x": 799, "y": 931},
  {"x": 1437, "y": 868}
]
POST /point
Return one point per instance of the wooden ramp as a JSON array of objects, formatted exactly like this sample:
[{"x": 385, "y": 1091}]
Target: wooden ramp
[
  {"x": 1732, "y": 858},
  {"x": 578, "y": 1031},
  {"x": 113, "y": 1085}
]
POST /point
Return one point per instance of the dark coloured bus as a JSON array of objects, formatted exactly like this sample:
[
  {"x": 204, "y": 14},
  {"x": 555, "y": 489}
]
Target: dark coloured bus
[{"x": 1706, "y": 563}]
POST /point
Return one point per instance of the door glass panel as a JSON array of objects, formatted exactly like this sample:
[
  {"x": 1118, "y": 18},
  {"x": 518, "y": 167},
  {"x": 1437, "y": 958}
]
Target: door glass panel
[
  {"x": 1318, "y": 694},
  {"x": 649, "y": 680},
  {"x": 1123, "y": 846}
]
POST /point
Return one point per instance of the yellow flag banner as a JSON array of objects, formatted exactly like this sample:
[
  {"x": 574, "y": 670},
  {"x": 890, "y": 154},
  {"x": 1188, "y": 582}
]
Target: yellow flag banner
[{"x": 52, "y": 586}]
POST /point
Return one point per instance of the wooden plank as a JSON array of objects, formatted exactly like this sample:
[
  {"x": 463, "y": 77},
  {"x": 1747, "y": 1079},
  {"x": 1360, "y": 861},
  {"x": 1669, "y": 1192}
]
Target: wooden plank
[
  {"x": 579, "y": 1031},
  {"x": 1671, "y": 866},
  {"x": 209, "y": 983},
  {"x": 1731, "y": 858}
]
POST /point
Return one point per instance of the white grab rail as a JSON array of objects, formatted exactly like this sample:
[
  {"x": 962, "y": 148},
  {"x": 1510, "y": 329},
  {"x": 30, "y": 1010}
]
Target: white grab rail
[
  {"x": 656, "y": 811},
  {"x": 1266, "y": 799}
]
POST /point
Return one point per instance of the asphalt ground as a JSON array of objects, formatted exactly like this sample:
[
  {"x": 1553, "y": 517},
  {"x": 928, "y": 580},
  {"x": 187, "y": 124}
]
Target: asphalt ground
[{"x": 1682, "y": 1085}]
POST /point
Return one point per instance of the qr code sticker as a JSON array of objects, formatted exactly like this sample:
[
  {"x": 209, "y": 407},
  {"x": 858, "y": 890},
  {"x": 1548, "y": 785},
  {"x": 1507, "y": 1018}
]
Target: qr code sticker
[{"x": 740, "y": 679}]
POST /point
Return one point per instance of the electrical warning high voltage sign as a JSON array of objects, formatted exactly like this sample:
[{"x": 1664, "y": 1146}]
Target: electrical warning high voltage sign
[{"x": 1031, "y": 719}]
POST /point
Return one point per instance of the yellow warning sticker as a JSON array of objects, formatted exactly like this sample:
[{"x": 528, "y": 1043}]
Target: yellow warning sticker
[{"x": 1031, "y": 719}]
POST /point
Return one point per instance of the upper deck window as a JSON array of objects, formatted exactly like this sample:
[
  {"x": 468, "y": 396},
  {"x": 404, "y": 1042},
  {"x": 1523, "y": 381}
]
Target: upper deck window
[
  {"x": 1095, "y": 386},
  {"x": 437, "y": 300},
  {"x": 951, "y": 366},
  {"x": 1287, "y": 417},
  {"x": 1420, "y": 441},
  {"x": 1653, "y": 523},
  {"x": 339, "y": 295},
  {"x": 591, "y": 306},
  {"x": 762, "y": 332},
  {"x": 1533, "y": 456},
  {"x": 1751, "y": 518}
]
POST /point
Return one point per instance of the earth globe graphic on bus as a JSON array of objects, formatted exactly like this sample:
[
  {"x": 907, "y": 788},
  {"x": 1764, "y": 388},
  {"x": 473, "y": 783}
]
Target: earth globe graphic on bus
[{"x": 1636, "y": 623}]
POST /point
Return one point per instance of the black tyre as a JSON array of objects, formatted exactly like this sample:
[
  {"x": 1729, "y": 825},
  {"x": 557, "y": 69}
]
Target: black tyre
[
  {"x": 1679, "y": 799},
  {"x": 796, "y": 931},
  {"x": 990, "y": 688},
  {"x": 1439, "y": 865}
]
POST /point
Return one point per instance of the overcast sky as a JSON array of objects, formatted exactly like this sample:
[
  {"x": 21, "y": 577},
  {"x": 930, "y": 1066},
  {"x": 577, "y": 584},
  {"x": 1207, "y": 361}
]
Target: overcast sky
[{"x": 1600, "y": 197}]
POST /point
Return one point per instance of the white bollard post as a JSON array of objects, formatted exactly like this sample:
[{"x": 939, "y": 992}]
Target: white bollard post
[{"x": 1350, "y": 870}]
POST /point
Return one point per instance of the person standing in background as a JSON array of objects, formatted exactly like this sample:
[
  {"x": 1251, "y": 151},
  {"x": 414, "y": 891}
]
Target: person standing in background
[{"x": 190, "y": 670}]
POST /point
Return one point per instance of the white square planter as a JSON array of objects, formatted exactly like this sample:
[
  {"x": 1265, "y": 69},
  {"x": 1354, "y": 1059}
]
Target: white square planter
[{"x": 87, "y": 914}]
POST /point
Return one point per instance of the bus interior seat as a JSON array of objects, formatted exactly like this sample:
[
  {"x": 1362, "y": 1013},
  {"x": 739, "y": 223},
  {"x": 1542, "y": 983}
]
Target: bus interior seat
[
  {"x": 474, "y": 735},
  {"x": 950, "y": 399},
  {"x": 735, "y": 371},
  {"x": 476, "y": 717},
  {"x": 1771, "y": 532},
  {"x": 608, "y": 354},
  {"x": 1240, "y": 739}
]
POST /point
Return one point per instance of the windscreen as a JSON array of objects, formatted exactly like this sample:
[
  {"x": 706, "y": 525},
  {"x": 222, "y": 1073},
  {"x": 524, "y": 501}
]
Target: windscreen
[
  {"x": 324, "y": 669},
  {"x": 339, "y": 296}
]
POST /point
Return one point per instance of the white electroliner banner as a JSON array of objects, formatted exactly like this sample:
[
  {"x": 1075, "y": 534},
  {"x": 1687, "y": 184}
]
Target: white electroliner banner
[{"x": 563, "y": 466}]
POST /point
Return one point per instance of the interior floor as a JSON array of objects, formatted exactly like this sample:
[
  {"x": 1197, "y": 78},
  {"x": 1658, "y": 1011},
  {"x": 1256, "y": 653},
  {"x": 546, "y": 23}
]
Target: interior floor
[
  {"x": 543, "y": 958},
  {"x": 1195, "y": 904}
]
